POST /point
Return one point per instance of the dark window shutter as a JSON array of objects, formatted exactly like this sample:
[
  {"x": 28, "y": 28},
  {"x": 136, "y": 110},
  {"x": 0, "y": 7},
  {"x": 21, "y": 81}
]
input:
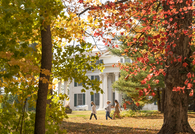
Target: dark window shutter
[
  {"x": 113, "y": 98},
  {"x": 121, "y": 60},
  {"x": 101, "y": 61},
  {"x": 97, "y": 98},
  {"x": 75, "y": 99},
  {"x": 92, "y": 98},
  {"x": 92, "y": 78},
  {"x": 75, "y": 84},
  {"x": 83, "y": 99},
  {"x": 155, "y": 102}
]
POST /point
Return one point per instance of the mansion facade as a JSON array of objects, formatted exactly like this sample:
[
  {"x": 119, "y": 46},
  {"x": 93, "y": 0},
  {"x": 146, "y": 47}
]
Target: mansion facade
[{"x": 108, "y": 76}]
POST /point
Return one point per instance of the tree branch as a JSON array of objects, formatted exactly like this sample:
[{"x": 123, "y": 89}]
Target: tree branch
[{"x": 100, "y": 6}]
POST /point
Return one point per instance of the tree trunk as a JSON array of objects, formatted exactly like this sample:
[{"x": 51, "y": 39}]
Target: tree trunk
[
  {"x": 162, "y": 100},
  {"x": 194, "y": 102},
  {"x": 176, "y": 102},
  {"x": 46, "y": 63},
  {"x": 49, "y": 100},
  {"x": 158, "y": 99}
]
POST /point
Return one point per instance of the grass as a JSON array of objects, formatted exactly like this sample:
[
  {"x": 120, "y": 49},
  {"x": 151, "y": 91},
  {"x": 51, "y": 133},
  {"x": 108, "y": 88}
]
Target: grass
[{"x": 141, "y": 122}]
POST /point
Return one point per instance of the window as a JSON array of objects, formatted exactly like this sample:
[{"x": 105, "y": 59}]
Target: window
[
  {"x": 77, "y": 84},
  {"x": 127, "y": 60},
  {"x": 79, "y": 99},
  {"x": 99, "y": 62},
  {"x": 80, "y": 84},
  {"x": 95, "y": 98},
  {"x": 121, "y": 60},
  {"x": 95, "y": 77}
]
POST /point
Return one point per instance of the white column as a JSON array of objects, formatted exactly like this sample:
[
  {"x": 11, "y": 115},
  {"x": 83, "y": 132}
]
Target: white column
[
  {"x": 105, "y": 88},
  {"x": 101, "y": 106},
  {"x": 65, "y": 91},
  {"x": 59, "y": 87},
  {"x": 71, "y": 95},
  {"x": 117, "y": 97}
]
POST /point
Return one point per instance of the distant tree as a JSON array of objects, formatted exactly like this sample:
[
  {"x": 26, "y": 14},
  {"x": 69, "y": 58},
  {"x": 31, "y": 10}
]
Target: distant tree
[{"x": 134, "y": 82}]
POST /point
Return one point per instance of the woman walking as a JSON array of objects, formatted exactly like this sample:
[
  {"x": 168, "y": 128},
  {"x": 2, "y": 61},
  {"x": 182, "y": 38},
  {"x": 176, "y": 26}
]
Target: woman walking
[
  {"x": 117, "y": 107},
  {"x": 93, "y": 110}
]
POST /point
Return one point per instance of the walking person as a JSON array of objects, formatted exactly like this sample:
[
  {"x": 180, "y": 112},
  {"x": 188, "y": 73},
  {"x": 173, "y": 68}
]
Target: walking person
[
  {"x": 117, "y": 107},
  {"x": 108, "y": 110},
  {"x": 93, "y": 110}
]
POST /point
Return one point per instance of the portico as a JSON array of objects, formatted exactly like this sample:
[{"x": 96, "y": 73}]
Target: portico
[
  {"x": 109, "y": 93},
  {"x": 108, "y": 76}
]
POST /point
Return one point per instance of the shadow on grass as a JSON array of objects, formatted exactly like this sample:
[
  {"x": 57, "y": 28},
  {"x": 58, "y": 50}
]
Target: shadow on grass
[
  {"x": 148, "y": 117},
  {"x": 88, "y": 128}
]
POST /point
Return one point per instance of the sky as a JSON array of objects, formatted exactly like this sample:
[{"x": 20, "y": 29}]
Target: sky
[{"x": 100, "y": 45}]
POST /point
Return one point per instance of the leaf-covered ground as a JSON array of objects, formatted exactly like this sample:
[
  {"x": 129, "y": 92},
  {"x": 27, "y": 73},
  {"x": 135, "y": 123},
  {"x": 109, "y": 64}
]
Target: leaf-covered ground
[{"x": 79, "y": 123}]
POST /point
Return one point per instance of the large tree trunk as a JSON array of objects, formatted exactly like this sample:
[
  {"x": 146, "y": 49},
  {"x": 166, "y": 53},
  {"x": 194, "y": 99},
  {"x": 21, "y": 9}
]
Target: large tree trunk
[
  {"x": 176, "y": 103},
  {"x": 46, "y": 63},
  {"x": 162, "y": 100},
  {"x": 194, "y": 102},
  {"x": 158, "y": 99}
]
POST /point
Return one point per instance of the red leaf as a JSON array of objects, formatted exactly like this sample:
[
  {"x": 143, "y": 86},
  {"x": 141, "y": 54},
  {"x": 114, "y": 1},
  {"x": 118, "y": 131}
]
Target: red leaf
[
  {"x": 149, "y": 86},
  {"x": 186, "y": 82},
  {"x": 176, "y": 89},
  {"x": 145, "y": 90},
  {"x": 171, "y": 19},
  {"x": 163, "y": 73},
  {"x": 156, "y": 81},
  {"x": 189, "y": 86},
  {"x": 179, "y": 59},
  {"x": 128, "y": 102},
  {"x": 191, "y": 93},
  {"x": 193, "y": 62},
  {"x": 153, "y": 94},
  {"x": 137, "y": 104},
  {"x": 189, "y": 75},
  {"x": 185, "y": 64},
  {"x": 124, "y": 105},
  {"x": 140, "y": 92}
]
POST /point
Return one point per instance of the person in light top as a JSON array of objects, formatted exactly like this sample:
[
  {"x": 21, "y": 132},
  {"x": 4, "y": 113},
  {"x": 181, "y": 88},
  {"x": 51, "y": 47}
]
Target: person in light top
[
  {"x": 93, "y": 110},
  {"x": 108, "y": 110}
]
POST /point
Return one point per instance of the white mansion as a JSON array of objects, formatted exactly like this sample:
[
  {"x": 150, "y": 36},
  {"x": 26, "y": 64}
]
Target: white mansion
[{"x": 108, "y": 76}]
